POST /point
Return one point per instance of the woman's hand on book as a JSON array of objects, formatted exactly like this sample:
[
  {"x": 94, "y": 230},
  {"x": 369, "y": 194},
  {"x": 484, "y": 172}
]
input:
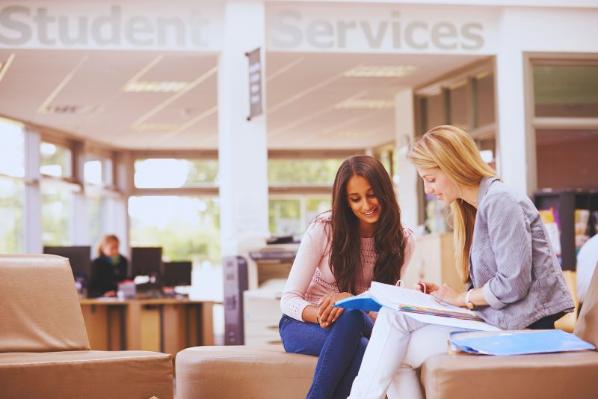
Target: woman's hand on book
[
  {"x": 426, "y": 287},
  {"x": 446, "y": 294},
  {"x": 327, "y": 313},
  {"x": 373, "y": 316}
]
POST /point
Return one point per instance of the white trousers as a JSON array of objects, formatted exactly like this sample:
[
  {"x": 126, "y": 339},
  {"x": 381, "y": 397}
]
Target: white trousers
[{"x": 398, "y": 346}]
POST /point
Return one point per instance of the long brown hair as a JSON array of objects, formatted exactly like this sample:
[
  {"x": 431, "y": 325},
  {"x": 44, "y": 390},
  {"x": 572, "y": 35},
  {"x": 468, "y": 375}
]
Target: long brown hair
[
  {"x": 454, "y": 152},
  {"x": 345, "y": 248}
]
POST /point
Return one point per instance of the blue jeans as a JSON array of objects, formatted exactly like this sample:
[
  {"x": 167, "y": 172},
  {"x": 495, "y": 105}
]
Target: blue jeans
[{"x": 340, "y": 349}]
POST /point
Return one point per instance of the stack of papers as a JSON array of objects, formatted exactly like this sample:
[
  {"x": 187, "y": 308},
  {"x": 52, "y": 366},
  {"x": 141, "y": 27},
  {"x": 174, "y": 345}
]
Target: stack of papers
[
  {"x": 507, "y": 343},
  {"x": 415, "y": 304}
]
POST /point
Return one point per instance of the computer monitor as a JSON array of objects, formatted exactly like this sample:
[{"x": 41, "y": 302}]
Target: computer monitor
[
  {"x": 176, "y": 273},
  {"x": 79, "y": 257},
  {"x": 146, "y": 261}
]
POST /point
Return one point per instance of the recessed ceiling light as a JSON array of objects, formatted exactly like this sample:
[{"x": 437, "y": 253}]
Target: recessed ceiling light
[
  {"x": 362, "y": 103},
  {"x": 5, "y": 65},
  {"x": 155, "y": 86},
  {"x": 380, "y": 71},
  {"x": 68, "y": 109}
]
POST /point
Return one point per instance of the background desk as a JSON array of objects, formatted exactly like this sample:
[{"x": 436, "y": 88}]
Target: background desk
[{"x": 164, "y": 324}]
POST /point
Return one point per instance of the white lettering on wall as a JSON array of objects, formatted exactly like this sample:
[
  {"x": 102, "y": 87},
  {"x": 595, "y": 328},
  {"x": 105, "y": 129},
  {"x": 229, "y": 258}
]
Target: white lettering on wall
[
  {"x": 379, "y": 30},
  {"x": 108, "y": 26}
]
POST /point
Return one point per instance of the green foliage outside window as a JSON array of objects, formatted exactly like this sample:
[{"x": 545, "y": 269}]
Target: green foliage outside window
[
  {"x": 175, "y": 173},
  {"x": 187, "y": 228},
  {"x": 55, "y": 160},
  {"x": 202, "y": 171},
  {"x": 305, "y": 172},
  {"x": 57, "y": 205},
  {"x": 11, "y": 215}
]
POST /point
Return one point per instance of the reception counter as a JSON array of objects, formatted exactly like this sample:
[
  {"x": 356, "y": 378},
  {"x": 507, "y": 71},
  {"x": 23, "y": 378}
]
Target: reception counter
[{"x": 161, "y": 324}]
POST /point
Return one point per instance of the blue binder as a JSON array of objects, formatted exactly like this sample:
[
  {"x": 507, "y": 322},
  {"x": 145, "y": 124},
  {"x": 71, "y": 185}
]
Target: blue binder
[
  {"x": 521, "y": 342},
  {"x": 362, "y": 302}
]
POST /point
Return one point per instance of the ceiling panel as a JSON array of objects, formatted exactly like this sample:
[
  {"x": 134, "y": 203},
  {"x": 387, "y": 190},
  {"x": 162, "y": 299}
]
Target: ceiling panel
[{"x": 85, "y": 94}]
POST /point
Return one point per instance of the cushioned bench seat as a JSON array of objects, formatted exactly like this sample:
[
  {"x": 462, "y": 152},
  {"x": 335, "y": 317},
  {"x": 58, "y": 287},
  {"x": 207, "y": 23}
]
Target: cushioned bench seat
[
  {"x": 233, "y": 372},
  {"x": 547, "y": 376},
  {"x": 249, "y": 372},
  {"x": 44, "y": 349},
  {"x": 86, "y": 374}
]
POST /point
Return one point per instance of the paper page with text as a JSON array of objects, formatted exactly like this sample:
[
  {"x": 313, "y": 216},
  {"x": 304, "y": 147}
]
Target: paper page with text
[{"x": 426, "y": 308}]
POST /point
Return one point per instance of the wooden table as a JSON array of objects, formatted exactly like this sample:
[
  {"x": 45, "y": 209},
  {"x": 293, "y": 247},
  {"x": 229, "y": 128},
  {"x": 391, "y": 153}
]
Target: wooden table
[{"x": 161, "y": 324}]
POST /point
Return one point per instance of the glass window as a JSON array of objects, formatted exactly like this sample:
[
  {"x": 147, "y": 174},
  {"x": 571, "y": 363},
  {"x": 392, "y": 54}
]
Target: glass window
[
  {"x": 187, "y": 228},
  {"x": 566, "y": 158},
  {"x": 485, "y": 99},
  {"x": 56, "y": 160},
  {"x": 11, "y": 215},
  {"x": 94, "y": 217},
  {"x": 285, "y": 217},
  {"x": 175, "y": 173},
  {"x": 12, "y": 161},
  {"x": 302, "y": 172},
  {"x": 388, "y": 158},
  {"x": 290, "y": 216},
  {"x": 57, "y": 213},
  {"x": 92, "y": 172},
  {"x": 566, "y": 90},
  {"x": 488, "y": 150},
  {"x": 460, "y": 104},
  {"x": 315, "y": 206}
]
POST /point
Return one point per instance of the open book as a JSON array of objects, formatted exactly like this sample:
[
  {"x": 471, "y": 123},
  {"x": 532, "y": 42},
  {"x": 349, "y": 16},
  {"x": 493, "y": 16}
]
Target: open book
[
  {"x": 507, "y": 343},
  {"x": 415, "y": 304}
]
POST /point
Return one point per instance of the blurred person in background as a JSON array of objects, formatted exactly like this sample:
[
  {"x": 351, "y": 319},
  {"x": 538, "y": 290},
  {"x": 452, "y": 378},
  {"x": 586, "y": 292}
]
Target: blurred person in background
[{"x": 108, "y": 269}]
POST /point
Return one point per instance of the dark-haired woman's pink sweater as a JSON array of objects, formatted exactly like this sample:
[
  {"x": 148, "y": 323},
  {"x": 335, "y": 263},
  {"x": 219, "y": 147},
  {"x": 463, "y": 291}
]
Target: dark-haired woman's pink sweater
[{"x": 311, "y": 277}]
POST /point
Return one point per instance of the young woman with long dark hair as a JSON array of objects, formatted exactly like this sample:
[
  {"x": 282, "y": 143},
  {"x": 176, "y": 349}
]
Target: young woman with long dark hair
[{"x": 359, "y": 241}]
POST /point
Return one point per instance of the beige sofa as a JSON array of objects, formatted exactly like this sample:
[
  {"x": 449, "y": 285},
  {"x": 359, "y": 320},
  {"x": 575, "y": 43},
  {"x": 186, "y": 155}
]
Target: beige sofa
[
  {"x": 44, "y": 349},
  {"x": 249, "y": 372}
]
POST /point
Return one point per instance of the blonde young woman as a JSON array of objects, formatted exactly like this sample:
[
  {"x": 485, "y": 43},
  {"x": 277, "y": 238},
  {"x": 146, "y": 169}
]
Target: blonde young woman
[
  {"x": 108, "y": 269},
  {"x": 502, "y": 253}
]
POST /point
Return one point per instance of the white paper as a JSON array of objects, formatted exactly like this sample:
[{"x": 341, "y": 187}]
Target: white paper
[
  {"x": 393, "y": 297},
  {"x": 452, "y": 322}
]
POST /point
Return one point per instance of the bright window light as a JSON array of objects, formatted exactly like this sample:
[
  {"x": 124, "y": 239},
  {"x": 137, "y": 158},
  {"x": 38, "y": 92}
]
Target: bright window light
[
  {"x": 380, "y": 71},
  {"x": 487, "y": 155},
  {"x": 165, "y": 173},
  {"x": 55, "y": 160},
  {"x": 51, "y": 170},
  {"x": 12, "y": 161},
  {"x": 93, "y": 172},
  {"x": 48, "y": 149}
]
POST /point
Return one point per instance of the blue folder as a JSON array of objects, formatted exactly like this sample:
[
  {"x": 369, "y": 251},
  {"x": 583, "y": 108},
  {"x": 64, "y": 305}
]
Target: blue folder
[
  {"x": 521, "y": 342},
  {"x": 362, "y": 302}
]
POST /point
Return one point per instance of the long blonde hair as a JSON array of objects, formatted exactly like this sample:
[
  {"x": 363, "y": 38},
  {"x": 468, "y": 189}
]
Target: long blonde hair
[
  {"x": 104, "y": 241},
  {"x": 454, "y": 152}
]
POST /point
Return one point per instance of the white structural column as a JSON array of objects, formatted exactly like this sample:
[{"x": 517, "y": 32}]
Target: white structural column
[
  {"x": 243, "y": 151},
  {"x": 119, "y": 222},
  {"x": 406, "y": 175},
  {"x": 79, "y": 220},
  {"x": 516, "y": 144},
  {"x": 33, "y": 201}
]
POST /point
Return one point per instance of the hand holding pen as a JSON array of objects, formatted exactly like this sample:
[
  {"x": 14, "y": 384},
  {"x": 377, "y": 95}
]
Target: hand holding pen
[{"x": 426, "y": 287}]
